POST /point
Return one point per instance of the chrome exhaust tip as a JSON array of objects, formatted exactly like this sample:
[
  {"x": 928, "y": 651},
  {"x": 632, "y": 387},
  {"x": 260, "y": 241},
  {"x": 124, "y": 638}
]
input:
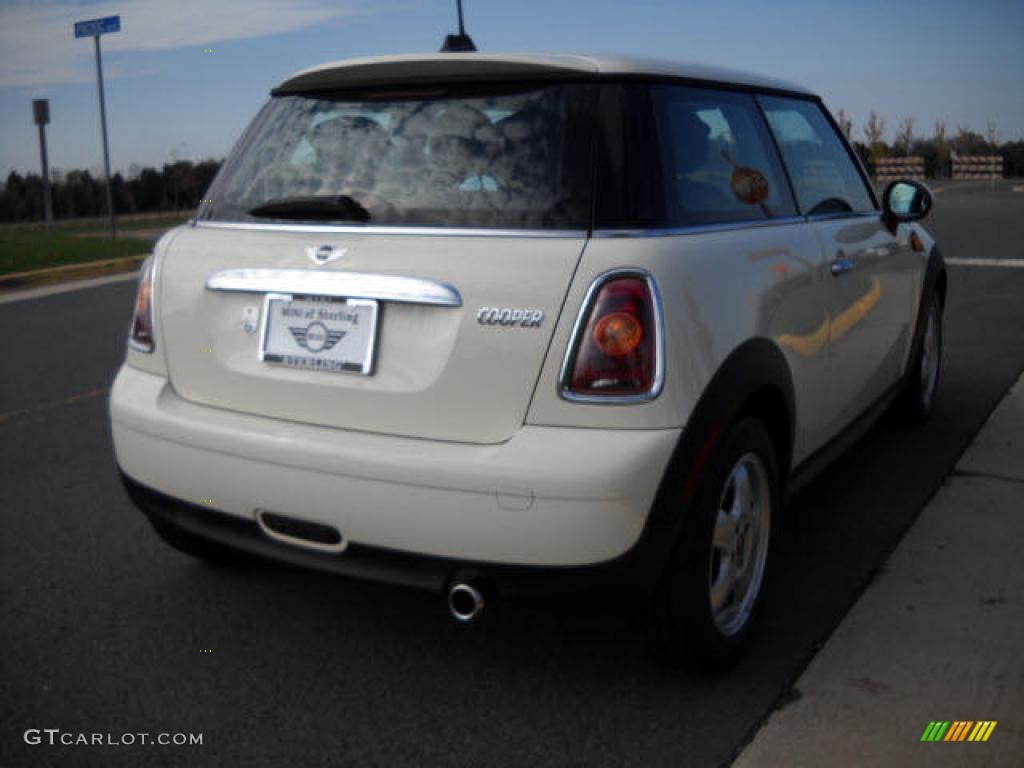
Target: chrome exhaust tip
[{"x": 465, "y": 601}]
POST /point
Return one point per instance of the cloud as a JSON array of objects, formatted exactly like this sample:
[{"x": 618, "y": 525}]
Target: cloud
[{"x": 38, "y": 45}]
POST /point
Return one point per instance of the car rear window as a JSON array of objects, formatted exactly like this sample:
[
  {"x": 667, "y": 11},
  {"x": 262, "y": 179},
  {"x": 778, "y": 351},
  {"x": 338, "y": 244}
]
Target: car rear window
[{"x": 483, "y": 156}]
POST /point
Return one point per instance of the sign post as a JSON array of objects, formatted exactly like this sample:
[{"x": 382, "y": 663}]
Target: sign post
[
  {"x": 41, "y": 115},
  {"x": 94, "y": 28}
]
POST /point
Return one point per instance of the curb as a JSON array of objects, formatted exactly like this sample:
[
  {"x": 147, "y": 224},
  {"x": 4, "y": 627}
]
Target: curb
[
  {"x": 938, "y": 630},
  {"x": 70, "y": 272}
]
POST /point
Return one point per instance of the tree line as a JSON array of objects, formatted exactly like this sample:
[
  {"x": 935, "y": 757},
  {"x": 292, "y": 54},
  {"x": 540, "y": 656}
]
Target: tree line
[
  {"x": 176, "y": 186},
  {"x": 936, "y": 150},
  {"x": 180, "y": 185}
]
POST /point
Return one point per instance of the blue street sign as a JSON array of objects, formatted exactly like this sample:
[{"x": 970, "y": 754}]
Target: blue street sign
[{"x": 94, "y": 27}]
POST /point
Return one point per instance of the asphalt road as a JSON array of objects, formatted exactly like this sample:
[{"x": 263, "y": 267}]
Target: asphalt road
[{"x": 103, "y": 628}]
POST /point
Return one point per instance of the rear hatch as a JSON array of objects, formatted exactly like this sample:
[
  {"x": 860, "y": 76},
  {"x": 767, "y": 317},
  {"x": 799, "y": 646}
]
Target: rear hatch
[{"x": 387, "y": 261}]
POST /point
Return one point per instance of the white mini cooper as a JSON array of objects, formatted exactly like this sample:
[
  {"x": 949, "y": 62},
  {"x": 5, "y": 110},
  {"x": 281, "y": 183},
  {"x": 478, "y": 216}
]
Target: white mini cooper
[{"x": 494, "y": 324}]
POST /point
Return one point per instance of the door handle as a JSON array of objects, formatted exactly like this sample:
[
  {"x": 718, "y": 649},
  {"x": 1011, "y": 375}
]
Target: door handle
[{"x": 843, "y": 263}]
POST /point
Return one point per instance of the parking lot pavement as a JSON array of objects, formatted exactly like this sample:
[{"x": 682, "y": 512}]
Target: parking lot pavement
[{"x": 937, "y": 638}]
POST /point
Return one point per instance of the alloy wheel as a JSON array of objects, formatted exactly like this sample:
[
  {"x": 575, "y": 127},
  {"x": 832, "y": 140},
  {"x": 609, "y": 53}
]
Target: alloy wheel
[{"x": 739, "y": 547}]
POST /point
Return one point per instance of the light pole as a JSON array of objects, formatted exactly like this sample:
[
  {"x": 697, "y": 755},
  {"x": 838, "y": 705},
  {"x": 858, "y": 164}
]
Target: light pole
[
  {"x": 41, "y": 115},
  {"x": 94, "y": 28}
]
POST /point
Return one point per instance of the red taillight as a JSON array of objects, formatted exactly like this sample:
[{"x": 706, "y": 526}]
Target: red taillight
[
  {"x": 616, "y": 352},
  {"x": 141, "y": 337}
]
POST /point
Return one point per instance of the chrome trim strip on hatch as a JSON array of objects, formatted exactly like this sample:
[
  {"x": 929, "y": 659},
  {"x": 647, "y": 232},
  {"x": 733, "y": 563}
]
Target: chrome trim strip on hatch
[
  {"x": 565, "y": 376},
  {"x": 343, "y": 229},
  {"x": 689, "y": 229},
  {"x": 346, "y": 285}
]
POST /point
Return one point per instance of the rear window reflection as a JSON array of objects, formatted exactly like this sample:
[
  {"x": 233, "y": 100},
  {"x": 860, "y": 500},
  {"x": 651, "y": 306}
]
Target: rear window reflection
[{"x": 504, "y": 157}]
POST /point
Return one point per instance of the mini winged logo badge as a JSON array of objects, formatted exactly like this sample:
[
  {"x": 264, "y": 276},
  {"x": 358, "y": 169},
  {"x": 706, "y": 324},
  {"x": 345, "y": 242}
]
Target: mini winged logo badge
[{"x": 316, "y": 337}]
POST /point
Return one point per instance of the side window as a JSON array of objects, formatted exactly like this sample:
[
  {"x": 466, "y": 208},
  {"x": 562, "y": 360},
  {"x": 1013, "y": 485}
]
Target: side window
[
  {"x": 823, "y": 173},
  {"x": 718, "y": 161}
]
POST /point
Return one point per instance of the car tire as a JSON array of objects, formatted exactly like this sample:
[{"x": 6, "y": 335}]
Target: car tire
[
  {"x": 917, "y": 401},
  {"x": 197, "y": 546},
  {"x": 702, "y": 612}
]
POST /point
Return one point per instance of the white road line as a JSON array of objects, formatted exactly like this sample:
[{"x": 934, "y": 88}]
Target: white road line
[
  {"x": 1018, "y": 263},
  {"x": 75, "y": 285}
]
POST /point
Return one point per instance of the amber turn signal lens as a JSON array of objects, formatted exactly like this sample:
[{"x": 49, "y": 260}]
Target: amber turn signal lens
[
  {"x": 143, "y": 297},
  {"x": 141, "y": 337},
  {"x": 618, "y": 334}
]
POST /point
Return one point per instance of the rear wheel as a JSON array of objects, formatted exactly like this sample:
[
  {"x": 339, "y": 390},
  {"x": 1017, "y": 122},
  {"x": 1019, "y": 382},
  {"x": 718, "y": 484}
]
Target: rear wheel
[
  {"x": 703, "y": 611},
  {"x": 918, "y": 399}
]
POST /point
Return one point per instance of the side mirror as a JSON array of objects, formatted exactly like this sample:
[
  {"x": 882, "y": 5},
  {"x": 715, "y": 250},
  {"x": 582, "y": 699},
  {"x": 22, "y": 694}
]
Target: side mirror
[{"x": 906, "y": 200}]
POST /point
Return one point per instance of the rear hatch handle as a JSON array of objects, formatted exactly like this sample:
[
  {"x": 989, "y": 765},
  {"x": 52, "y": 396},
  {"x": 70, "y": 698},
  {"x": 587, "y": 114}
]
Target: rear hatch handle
[{"x": 348, "y": 285}]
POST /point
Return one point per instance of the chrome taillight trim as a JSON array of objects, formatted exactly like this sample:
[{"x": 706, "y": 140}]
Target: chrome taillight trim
[
  {"x": 657, "y": 310},
  {"x": 148, "y": 270},
  {"x": 349, "y": 285}
]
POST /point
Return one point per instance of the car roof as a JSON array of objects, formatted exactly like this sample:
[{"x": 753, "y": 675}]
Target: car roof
[{"x": 412, "y": 68}]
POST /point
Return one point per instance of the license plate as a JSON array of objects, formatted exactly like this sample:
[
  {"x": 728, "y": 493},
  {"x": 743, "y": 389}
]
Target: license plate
[{"x": 319, "y": 332}]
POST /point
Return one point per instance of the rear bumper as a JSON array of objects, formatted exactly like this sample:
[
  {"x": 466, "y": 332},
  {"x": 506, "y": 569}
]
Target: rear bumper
[
  {"x": 629, "y": 575},
  {"x": 411, "y": 511}
]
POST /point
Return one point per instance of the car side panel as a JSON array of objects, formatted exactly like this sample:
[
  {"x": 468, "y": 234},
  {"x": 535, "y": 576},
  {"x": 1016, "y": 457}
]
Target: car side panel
[
  {"x": 872, "y": 308},
  {"x": 720, "y": 288}
]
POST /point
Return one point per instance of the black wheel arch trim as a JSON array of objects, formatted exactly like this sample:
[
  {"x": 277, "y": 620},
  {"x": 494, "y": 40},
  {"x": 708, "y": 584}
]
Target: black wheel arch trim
[
  {"x": 935, "y": 279},
  {"x": 934, "y": 275},
  {"x": 753, "y": 369}
]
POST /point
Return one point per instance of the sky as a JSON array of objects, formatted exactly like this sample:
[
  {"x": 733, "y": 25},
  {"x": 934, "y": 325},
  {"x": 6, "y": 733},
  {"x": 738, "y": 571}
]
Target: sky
[{"x": 184, "y": 77}]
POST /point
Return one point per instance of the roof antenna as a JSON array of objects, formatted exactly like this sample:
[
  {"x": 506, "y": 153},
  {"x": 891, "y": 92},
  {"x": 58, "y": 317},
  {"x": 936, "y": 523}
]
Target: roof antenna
[{"x": 460, "y": 43}]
